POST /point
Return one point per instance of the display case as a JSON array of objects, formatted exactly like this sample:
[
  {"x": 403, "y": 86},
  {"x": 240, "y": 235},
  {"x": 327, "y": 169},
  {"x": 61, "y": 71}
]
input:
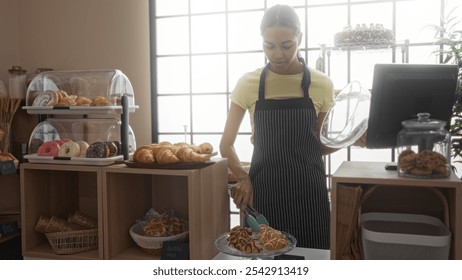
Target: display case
[
  {"x": 90, "y": 106},
  {"x": 79, "y": 92}
]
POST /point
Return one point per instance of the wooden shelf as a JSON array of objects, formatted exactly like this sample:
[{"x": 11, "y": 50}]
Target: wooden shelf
[
  {"x": 117, "y": 196},
  {"x": 368, "y": 174},
  {"x": 58, "y": 190},
  {"x": 198, "y": 195}
]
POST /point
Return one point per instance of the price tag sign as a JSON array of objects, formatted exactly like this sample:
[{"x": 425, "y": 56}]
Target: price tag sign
[
  {"x": 174, "y": 250},
  {"x": 9, "y": 228},
  {"x": 7, "y": 167}
]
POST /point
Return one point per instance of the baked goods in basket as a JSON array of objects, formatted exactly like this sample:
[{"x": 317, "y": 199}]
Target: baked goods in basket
[{"x": 151, "y": 231}]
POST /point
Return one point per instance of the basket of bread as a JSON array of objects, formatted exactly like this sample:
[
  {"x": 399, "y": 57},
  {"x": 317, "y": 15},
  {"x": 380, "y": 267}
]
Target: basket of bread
[
  {"x": 79, "y": 233},
  {"x": 155, "y": 228}
]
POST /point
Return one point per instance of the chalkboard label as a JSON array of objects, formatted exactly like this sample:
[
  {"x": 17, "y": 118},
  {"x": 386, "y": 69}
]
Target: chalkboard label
[
  {"x": 174, "y": 250},
  {"x": 7, "y": 167},
  {"x": 9, "y": 228}
]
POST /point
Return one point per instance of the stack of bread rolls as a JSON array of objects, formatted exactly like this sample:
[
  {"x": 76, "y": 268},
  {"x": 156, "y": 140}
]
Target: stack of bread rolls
[{"x": 168, "y": 153}]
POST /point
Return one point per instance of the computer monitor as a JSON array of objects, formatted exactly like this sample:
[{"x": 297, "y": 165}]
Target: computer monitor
[{"x": 401, "y": 91}]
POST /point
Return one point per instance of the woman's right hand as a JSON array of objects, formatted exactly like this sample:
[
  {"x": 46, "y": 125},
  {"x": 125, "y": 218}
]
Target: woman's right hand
[{"x": 242, "y": 193}]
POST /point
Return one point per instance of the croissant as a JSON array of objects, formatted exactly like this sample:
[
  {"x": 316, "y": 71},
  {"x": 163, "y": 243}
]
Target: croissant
[
  {"x": 166, "y": 156},
  {"x": 186, "y": 154},
  {"x": 206, "y": 148},
  {"x": 144, "y": 155}
]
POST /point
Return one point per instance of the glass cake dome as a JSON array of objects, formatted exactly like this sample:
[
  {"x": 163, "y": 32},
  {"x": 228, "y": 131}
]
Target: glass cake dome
[{"x": 347, "y": 119}]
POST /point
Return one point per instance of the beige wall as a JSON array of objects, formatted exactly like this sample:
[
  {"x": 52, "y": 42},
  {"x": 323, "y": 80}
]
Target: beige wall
[{"x": 83, "y": 34}]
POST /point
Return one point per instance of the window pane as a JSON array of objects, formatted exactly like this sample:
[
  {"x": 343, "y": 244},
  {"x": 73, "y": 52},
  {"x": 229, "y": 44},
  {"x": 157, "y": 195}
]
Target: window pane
[
  {"x": 336, "y": 159},
  {"x": 206, "y": 6},
  {"x": 286, "y": 2},
  {"x": 239, "y": 64},
  {"x": 321, "y": 27},
  {"x": 207, "y": 33},
  {"x": 321, "y": 2},
  {"x": 173, "y": 75},
  {"x": 375, "y": 155},
  {"x": 362, "y": 65},
  {"x": 244, "y": 31},
  {"x": 208, "y": 73},
  {"x": 372, "y": 13},
  {"x": 237, "y": 5},
  {"x": 169, "y": 7},
  {"x": 423, "y": 54},
  {"x": 337, "y": 68},
  {"x": 416, "y": 30},
  {"x": 173, "y": 113},
  {"x": 212, "y": 139},
  {"x": 172, "y": 36},
  {"x": 209, "y": 113},
  {"x": 244, "y": 148},
  {"x": 174, "y": 138}
]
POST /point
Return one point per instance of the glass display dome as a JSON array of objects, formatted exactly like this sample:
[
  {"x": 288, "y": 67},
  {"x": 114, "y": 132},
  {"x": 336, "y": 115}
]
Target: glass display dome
[{"x": 79, "y": 91}]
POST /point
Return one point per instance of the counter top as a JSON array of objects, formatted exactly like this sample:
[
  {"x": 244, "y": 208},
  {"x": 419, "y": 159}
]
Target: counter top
[{"x": 309, "y": 254}]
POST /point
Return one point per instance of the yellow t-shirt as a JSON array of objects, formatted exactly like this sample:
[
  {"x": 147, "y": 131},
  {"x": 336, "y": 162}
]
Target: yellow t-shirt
[{"x": 278, "y": 86}]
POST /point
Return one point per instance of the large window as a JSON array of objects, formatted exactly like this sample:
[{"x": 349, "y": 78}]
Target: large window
[{"x": 200, "y": 48}]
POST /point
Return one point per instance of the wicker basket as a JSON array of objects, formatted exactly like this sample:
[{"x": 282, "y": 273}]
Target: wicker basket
[
  {"x": 152, "y": 244},
  {"x": 71, "y": 242}
]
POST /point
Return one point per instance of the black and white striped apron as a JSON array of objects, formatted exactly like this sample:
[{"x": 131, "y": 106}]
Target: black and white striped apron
[{"x": 287, "y": 171}]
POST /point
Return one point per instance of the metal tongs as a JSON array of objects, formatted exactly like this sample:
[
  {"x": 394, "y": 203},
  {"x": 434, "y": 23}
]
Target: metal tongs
[{"x": 253, "y": 218}]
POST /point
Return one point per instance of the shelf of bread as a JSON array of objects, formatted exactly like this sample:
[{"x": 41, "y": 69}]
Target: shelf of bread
[
  {"x": 78, "y": 141},
  {"x": 81, "y": 92}
]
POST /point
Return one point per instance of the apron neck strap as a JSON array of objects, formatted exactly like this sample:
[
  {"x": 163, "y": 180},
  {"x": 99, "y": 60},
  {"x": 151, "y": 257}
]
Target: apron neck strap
[{"x": 306, "y": 80}]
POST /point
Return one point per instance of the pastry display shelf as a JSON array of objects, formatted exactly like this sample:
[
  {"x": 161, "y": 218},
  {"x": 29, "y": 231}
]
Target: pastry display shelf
[
  {"x": 58, "y": 190},
  {"x": 117, "y": 196},
  {"x": 368, "y": 174},
  {"x": 197, "y": 195}
]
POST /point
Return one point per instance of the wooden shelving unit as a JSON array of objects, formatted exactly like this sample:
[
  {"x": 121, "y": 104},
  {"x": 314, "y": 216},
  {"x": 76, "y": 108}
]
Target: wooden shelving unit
[
  {"x": 117, "y": 196},
  {"x": 369, "y": 174},
  {"x": 198, "y": 195},
  {"x": 58, "y": 190}
]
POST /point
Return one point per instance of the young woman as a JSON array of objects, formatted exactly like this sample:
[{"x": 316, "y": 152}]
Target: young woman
[{"x": 287, "y": 102}]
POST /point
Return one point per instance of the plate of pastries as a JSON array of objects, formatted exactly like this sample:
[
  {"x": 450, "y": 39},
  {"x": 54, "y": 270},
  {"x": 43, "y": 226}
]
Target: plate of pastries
[
  {"x": 167, "y": 155},
  {"x": 242, "y": 241}
]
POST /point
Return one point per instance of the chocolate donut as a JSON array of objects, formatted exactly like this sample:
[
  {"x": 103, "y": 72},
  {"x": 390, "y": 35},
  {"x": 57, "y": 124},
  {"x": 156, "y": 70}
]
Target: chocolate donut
[
  {"x": 97, "y": 150},
  {"x": 119, "y": 146},
  {"x": 112, "y": 148},
  {"x": 34, "y": 145}
]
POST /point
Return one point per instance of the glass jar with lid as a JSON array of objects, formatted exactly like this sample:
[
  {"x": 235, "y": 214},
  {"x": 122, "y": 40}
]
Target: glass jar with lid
[{"x": 423, "y": 147}]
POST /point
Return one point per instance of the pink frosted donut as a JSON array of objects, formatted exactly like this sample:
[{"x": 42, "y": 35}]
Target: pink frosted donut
[
  {"x": 69, "y": 149},
  {"x": 49, "y": 148}
]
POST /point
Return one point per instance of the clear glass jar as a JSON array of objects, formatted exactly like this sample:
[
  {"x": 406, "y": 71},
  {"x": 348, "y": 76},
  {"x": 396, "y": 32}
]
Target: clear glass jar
[{"x": 423, "y": 147}]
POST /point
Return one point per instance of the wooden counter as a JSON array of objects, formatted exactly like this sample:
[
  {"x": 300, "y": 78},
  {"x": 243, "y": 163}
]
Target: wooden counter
[{"x": 368, "y": 174}]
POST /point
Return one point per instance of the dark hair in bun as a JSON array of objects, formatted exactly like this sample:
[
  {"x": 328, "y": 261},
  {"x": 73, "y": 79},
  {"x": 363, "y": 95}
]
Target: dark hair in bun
[{"x": 281, "y": 15}]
